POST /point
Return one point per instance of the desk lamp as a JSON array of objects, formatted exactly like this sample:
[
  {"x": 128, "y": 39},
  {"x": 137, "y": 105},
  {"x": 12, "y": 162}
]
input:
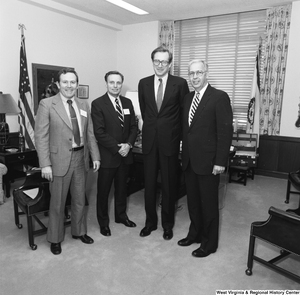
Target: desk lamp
[{"x": 7, "y": 106}]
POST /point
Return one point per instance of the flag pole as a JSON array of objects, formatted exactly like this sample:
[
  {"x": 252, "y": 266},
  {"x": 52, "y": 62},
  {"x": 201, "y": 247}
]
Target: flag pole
[
  {"x": 25, "y": 102},
  {"x": 21, "y": 27}
]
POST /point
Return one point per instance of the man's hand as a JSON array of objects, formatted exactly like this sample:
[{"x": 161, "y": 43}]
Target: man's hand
[
  {"x": 96, "y": 165},
  {"x": 124, "y": 149},
  {"x": 218, "y": 169},
  {"x": 47, "y": 173}
]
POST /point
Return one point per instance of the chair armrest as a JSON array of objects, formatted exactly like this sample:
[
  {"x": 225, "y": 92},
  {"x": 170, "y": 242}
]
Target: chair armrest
[
  {"x": 33, "y": 179},
  {"x": 289, "y": 216}
]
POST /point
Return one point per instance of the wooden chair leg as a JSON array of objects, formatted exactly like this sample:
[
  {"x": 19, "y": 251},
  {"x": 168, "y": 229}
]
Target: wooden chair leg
[
  {"x": 250, "y": 256},
  {"x": 30, "y": 233},
  {"x": 16, "y": 212}
]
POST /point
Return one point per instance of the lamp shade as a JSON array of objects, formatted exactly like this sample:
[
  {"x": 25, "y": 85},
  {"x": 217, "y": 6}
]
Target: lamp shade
[{"x": 8, "y": 104}]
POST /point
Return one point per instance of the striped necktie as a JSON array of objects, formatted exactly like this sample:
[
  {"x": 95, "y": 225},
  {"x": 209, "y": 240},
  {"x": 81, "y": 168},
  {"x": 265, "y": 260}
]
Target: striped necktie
[
  {"x": 119, "y": 112},
  {"x": 159, "y": 96},
  {"x": 74, "y": 121},
  {"x": 195, "y": 104}
]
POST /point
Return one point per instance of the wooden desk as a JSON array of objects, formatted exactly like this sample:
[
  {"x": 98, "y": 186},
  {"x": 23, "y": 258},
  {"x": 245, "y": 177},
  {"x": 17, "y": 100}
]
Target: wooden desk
[{"x": 14, "y": 163}]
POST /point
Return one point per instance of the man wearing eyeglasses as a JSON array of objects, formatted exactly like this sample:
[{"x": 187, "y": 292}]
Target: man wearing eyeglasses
[
  {"x": 161, "y": 99},
  {"x": 207, "y": 135}
]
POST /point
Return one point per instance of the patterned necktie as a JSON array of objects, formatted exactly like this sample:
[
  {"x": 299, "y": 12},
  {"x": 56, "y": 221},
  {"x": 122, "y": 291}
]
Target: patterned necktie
[
  {"x": 119, "y": 112},
  {"x": 195, "y": 103},
  {"x": 74, "y": 121},
  {"x": 159, "y": 96}
]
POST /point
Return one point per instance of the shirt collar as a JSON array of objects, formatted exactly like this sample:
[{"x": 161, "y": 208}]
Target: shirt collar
[
  {"x": 64, "y": 99},
  {"x": 202, "y": 90},
  {"x": 164, "y": 78},
  {"x": 112, "y": 98}
]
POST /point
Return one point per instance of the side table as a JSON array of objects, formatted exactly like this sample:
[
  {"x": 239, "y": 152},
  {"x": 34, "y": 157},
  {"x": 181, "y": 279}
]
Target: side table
[{"x": 14, "y": 162}]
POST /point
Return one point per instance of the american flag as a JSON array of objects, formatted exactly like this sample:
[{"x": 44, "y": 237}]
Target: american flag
[{"x": 25, "y": 103}]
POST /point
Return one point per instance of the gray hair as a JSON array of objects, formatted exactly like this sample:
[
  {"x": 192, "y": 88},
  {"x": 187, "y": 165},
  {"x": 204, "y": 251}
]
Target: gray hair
[{"x": 198, "y": 61}]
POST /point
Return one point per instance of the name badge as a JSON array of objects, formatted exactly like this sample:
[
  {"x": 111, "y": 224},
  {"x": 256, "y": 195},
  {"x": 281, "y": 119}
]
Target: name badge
[
  {"x": 83, "y": 113},
  {"x": 126, "y": 112}
]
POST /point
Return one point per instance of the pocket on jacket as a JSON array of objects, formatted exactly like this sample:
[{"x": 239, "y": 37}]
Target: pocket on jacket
[{"x": 53, "y": 149}]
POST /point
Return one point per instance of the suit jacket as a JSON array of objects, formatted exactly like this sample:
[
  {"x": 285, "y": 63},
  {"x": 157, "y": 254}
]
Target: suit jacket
[
  {"x": 206, "y": 142},
  {"x": 53, "y": 135},
  {"x": 108, "y": 130},
  {"x": 165, "y": 124}
]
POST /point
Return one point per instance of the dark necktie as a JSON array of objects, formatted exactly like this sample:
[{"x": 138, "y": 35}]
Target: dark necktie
[
  {"x": 195, "y": 104},
  {"x": 159, "y": 96},
  {"x": 74, "y": 121},
  {"x": 119, "y": 112}
]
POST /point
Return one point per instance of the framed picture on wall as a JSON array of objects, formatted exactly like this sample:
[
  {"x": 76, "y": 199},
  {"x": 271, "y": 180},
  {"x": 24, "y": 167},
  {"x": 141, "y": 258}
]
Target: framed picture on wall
[
  {"x": 45, "y": 82},
  {"x": 83, "y": 91}
]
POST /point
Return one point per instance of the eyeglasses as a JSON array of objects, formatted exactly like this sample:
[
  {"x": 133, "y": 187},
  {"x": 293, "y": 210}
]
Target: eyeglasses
[
  {"x": 198, "y": 73},
  {"x": 157, "y": 62}
]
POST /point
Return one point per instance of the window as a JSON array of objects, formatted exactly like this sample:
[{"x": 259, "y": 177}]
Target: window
[{"x": 229, "y": 44}]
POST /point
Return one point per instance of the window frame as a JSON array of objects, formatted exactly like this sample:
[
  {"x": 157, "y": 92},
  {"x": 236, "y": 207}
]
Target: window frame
[{"x": 229, "y": 43}]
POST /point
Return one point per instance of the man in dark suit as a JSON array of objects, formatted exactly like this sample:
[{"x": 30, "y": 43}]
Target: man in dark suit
[
  {"x": 64, "y": 141},
  {"x": 161, "y": 98},
  {"x": 115, "y": 130},
  {"x": 207, "y": 135}
]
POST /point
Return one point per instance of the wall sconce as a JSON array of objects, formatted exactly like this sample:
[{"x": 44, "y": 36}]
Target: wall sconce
[{"x": 7, "y": 106}]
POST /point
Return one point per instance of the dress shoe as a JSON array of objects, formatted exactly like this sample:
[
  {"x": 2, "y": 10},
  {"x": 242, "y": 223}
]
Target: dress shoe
[
  {"x": 127, "y": 223},
  {"x": 146, "y": 231},
  {"x": 55, "y": 248},
  {"x": 84, "y": 239},
  {"x": 186, "y": 242},
  {"x": 201, "y": 253},
  {"x": 168, "y": 234},
  {"x": 105, "y": 231}
]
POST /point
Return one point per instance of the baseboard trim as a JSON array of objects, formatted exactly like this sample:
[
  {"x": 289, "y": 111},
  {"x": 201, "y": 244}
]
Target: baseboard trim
[{"x": 275, "y": 174}]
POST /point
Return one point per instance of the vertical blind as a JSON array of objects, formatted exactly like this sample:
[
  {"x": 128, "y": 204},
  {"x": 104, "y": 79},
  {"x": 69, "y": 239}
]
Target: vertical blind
[{"x": 229, "y": 44}]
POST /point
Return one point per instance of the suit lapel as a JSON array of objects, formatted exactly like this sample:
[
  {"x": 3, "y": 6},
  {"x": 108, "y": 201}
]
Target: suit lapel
[
  {"x": 188, "y": 102},
  {"x": 81, "y": 107},
  {"x": 111, "y": 109},
  {"x": 168, "y": 90},
  {"x": 149, "y": 83},
  {"x": 202, "y": 104},
  {"x": 60, "y": 109}
]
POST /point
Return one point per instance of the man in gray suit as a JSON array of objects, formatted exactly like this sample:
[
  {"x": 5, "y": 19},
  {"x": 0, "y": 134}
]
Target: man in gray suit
[{"x": 64, "y": 141}]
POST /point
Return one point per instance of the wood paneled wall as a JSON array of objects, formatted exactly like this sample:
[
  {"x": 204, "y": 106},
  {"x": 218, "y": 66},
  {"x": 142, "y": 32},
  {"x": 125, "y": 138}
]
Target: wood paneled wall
[{"x": 278, "y": 155}]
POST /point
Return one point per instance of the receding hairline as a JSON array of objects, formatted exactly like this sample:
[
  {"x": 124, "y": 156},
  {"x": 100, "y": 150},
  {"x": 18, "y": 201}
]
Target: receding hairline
[{"x": 198, "y": 61}]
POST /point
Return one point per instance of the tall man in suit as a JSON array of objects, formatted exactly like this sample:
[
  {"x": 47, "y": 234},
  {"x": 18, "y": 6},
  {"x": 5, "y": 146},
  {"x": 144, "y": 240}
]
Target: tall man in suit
[
  {"x": 207, "y": 135},
  {"x": 115, "y": 130},
  {"x": 64, "y": 141},
  {"x": 161, "y": 98}
]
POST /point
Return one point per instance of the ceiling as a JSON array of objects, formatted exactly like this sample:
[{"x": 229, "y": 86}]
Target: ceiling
[{"x": 109, "y": 15}]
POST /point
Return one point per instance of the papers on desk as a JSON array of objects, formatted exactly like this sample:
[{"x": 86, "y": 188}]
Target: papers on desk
[
  {"x": 245, "y": 154},
  {"x": 31, "y": 193}
]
